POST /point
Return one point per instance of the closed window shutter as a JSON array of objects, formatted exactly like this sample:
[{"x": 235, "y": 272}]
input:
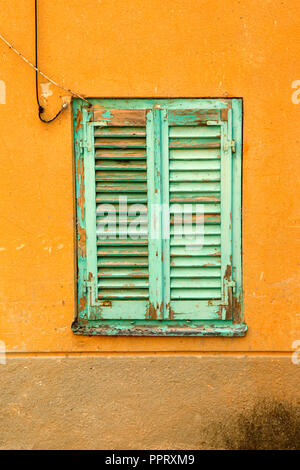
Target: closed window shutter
[
  {"x": 163, "y": 162},
  {"x": 120, "y": 156}
]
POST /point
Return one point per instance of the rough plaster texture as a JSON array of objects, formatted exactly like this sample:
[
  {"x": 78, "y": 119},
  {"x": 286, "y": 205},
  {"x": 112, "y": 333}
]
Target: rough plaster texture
[
  {"x": 150, "y": 403},
  {"x": 147, "y": 48}
]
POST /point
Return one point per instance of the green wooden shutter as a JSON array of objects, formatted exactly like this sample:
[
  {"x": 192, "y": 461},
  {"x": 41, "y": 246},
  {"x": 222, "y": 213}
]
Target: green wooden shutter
[
  {"x": 161, "y": 154},
  {"x": 198, "y": 162}
]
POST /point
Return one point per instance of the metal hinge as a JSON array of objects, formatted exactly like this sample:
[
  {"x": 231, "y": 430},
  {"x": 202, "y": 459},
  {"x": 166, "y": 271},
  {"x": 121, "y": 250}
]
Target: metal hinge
[
  {"x": 231, "y": 144},
  {"x": 84, "y": 144},
  {"x": 87, "y": 285},
  {"x": 90, "y": 289},
  {"x": 231, "y": 284},
  {"x": 228, "y": 285}
]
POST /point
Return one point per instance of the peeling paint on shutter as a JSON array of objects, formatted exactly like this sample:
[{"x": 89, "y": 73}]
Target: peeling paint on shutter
[
  {"x": 199, "y": 172},
  {"x": 158, "y": 153},
  {"x": 121, "y": 172}
]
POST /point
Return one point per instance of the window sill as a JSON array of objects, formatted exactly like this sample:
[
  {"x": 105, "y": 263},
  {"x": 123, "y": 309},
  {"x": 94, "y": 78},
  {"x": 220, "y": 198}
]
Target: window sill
[{"x": 110, "y": 328}]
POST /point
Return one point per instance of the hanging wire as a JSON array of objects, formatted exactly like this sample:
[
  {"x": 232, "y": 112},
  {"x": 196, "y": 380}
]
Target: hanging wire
[
  {"x": 41, "y": 109},
  {"x": 38, "y": 71},
  {"x": 41, "y": 73}
]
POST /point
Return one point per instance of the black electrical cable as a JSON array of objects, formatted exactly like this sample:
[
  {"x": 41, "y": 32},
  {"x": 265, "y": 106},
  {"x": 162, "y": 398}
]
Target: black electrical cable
[{"x": 40, "y": 107}]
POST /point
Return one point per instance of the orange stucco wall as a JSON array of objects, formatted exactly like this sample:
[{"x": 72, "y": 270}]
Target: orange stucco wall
[{"x": 146, "y": 48}]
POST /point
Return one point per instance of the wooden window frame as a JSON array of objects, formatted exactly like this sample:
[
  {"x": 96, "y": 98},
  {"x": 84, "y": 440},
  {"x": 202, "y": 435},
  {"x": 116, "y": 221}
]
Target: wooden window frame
[{"x": 85, "y": 322}]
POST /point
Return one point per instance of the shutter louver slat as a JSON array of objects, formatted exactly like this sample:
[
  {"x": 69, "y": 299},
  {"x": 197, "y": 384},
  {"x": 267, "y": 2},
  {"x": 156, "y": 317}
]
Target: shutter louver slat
[{"x": 120, "y": 154}]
